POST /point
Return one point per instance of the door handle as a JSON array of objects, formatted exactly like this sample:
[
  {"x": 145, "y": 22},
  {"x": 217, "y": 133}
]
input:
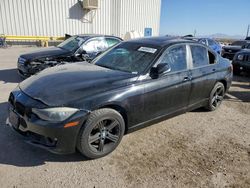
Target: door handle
[{"x": 187, "y": 78}]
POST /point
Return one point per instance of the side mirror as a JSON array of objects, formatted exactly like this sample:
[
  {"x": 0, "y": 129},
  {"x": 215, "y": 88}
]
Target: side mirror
[
  {"x": 160, "y": 69},
  {"x": 163, "y": 68}
]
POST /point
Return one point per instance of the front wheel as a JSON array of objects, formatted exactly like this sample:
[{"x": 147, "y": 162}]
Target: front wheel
[
  {"x": 216, "y": 96},
  {"x": 101, "y": 134}
]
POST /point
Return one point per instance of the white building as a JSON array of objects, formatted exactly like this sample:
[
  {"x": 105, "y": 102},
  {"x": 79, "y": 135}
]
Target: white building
[{"x": 57, "y": 17}]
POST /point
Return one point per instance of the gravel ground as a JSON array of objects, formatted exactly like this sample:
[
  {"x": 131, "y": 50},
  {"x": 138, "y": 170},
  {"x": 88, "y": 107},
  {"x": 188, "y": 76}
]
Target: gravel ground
[{"x": 196, "y": 149}]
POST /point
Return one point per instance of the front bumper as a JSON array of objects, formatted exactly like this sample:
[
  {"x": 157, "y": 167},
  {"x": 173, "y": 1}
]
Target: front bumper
[
  {"x": 243, "y": 66},
  {"x": 52, "y": 136},
  {"x": 22, "y": 69},
  {"x": 228, "y": 55}
]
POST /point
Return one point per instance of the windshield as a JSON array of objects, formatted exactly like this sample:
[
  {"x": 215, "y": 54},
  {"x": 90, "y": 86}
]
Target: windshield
[
  {"x": 128, "y": 57},
  {"x": 238, "y": 43},
  {"x": 72, "y": 43}
]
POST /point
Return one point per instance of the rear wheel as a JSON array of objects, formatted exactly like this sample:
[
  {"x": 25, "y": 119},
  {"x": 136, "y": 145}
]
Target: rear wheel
[
  {"x": 216, "y": 96},
  {"x": 101, "y": 134}
]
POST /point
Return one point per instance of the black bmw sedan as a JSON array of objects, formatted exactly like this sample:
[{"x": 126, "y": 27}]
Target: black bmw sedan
[
  {"x": 90, "y": 107},
  {"x": 74, "y": 49}
]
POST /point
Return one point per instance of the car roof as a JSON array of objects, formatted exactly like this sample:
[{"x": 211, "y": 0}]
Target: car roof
[
  {"x": 88, "y": 36},
  {"x": 161, "y": 41}
]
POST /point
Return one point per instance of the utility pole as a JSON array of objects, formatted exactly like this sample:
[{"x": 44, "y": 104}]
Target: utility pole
[
  {"x": 248, "y": 28},
  {"x": 194, "y": 32}
]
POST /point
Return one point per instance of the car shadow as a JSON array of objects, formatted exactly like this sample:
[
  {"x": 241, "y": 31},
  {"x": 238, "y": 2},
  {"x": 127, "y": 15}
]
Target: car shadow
[
  {"x": 238, "y": 96},
  {"x": 200, "y": 110},
  {"x": 10, "y": 76},
  {"x": 16, "y": 152},
  {"x": 242, "y": 78}
]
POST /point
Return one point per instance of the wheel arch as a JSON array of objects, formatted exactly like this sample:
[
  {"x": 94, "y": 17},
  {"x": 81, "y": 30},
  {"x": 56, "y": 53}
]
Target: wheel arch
[
  {"x": 224, "y": 82},
  {"x": 119, "y": 109}
]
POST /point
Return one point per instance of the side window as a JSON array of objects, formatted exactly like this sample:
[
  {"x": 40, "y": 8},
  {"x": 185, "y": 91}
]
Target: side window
[
  {"x": 176, "y": 58},
  {"x": 201, "y": 56},
  {"x": 112, "y": 41},
  {"x": 95, "y": 45}
]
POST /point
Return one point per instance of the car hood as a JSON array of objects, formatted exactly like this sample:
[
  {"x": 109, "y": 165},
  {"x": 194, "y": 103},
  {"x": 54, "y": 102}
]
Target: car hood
[
  {"x": 247, "y": 51},
  {"x": 45, "y": 52},
  {"x": 232, "y": 47},
  {"x": 61, "y": 85}
]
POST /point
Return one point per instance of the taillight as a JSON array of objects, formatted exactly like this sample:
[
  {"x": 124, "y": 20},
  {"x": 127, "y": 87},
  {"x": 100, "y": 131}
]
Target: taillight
[{"x": 231, "y": 68}]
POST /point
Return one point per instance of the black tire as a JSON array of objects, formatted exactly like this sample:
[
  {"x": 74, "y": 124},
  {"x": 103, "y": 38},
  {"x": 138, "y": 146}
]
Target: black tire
[
  {"x": 101, "y": 133},
  {"x": 216, "y": 97}
]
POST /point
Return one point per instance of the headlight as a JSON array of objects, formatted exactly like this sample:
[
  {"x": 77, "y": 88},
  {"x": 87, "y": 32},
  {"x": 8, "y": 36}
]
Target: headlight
[
  {"x": 35, "y": 63},
  {"x": 21, "y": 60},
  {"x": 55, "y": 114},
  {"x": 240, "y": 57}
]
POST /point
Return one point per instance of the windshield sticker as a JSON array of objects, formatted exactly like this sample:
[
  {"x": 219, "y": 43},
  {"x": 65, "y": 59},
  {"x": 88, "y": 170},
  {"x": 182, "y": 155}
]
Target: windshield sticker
[{"x": 147, "y": 49}]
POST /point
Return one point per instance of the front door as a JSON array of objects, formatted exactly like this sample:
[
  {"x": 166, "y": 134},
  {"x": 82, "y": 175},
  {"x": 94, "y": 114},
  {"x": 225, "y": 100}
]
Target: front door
[{"x": 170, "y": 92}]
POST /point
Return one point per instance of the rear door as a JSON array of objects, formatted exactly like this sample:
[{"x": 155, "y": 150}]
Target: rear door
[
  {"x": 170, "y": 92},
  {"x": 203, "y": 70}
]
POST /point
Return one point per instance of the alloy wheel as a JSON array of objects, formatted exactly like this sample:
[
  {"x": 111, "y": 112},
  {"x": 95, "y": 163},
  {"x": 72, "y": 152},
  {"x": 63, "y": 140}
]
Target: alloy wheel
[
  {"x": 104, "y": 135},
  {"x": 217, "y": 96}
]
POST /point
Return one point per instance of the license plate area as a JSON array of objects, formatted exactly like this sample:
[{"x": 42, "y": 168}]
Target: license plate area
[{"x": 14, "y": 119}]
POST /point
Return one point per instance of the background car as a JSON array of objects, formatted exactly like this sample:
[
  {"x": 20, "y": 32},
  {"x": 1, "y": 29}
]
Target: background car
[
  {"x": 241, "y": 61},
  {"x": 90, "y": 106},
  {"x": 229, "y": 51},
  {"x": 73, "y": 49},
  {"x": 211, "y": 43}
]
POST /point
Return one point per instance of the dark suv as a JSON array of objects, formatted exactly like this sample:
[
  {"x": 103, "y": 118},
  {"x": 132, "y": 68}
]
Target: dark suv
[
  {"x": 136, "y": 83},
  {"x": 73, "y": 49},
  {"x": 241, "y": 61},
  {"x": 230, "y": 50}
]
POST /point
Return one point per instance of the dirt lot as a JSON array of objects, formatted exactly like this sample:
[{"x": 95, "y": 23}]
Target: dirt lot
[{"x": 196, "y": 149}]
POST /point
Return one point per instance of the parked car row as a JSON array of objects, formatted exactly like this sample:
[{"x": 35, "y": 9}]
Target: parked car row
[
  {"x": 211, "y": 43},
  {"x": 90, "y": 106},
  {"x": 241, "y": 60},
  {"x": 214, "y": 45},
  {"x": 239, "y": 53},
  {"x": 229, "y": 51}
]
